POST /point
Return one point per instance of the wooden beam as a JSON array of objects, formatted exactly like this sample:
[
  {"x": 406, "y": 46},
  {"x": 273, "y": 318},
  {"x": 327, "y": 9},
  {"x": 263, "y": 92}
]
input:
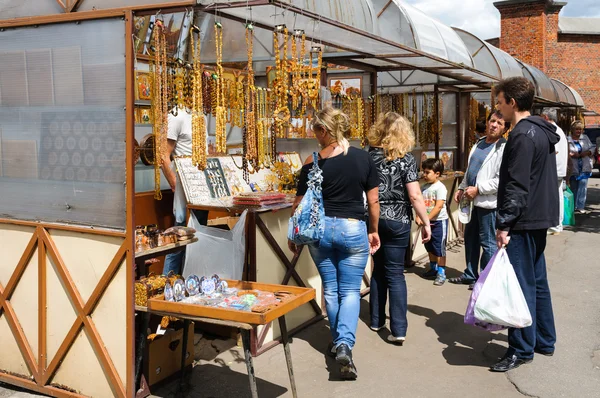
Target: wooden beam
[
  {"x": 62, "y": 4},
  {"x": 42, "y": 297},
  {"x": 63, "y": 272},
  {"x": 72, "y": 7},
  {"x": 66, "y": 227},
  {"x": 104, "y": 357},
  {"x": 21, "y": 339},
  {"x": 22, "y": 264},
  {"x": 32, "y": 386},
  {"x": 62, "y": 350},
  {"x": 104, "y": 282}
]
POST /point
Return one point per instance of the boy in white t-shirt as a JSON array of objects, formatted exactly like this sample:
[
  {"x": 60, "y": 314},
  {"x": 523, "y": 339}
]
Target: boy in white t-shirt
[{"x": 434, "y": 194}]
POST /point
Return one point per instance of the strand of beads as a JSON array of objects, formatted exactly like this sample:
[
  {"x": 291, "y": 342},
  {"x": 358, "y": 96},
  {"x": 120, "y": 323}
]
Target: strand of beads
[
  {"x": 198, "y": 119},
  {"x": 221, "y": 123}
]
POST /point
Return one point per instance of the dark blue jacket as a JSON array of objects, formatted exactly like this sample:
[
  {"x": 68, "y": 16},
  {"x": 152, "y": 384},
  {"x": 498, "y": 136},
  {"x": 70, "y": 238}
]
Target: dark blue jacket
[{"x": 527, "y": 190}]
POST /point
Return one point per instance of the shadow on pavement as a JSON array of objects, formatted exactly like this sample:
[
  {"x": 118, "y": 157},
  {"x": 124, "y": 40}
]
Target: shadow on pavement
[
  {"x": 466, "y": 345},
  {"x": 212, "y": 381},
  {"x": 319, "y": 337},
  {"x": 589, "y": 222}
]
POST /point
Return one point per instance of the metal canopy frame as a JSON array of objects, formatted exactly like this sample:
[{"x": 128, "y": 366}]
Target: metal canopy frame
[{"x": 372, "y": 53}]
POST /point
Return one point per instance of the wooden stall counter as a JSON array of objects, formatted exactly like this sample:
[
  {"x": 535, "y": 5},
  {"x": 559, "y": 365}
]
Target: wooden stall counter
[
  {"x": 268, "y": 260},
  {"x": 245, "y": 321}
]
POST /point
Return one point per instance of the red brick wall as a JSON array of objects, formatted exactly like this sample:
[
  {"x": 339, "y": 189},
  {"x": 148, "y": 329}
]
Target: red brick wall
[
  {"x": 523, "y": 32},
  {"x": 529, "y": 32}
]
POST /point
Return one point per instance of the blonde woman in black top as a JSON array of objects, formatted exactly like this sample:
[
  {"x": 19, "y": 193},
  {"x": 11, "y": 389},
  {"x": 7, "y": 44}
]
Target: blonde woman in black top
[
  {"x": 391, "y": 139},
  {"x": 342, "y": 254}
]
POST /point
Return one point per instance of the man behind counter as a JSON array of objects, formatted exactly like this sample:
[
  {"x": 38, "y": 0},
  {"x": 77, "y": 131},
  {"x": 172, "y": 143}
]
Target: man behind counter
[{"x": 179, "y": 143}]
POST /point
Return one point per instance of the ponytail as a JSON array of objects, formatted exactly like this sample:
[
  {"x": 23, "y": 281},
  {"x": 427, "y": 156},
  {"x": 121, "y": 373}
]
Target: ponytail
[{"x": 336, "y": 123}]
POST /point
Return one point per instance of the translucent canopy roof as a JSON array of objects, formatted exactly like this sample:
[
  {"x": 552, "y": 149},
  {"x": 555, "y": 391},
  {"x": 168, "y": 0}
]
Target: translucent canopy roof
[
  {"x": 489, "y": 58},
  {"x": 567, "y": 94},
  {"x": 423, "y": 44},
  {"x": 405, "y": 24},
  {"x": 543, "y": 86}
]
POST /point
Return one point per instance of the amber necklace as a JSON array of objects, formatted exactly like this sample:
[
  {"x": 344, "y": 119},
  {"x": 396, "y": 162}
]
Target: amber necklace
[
  {"x": 198, "y": 120},
  {"x": 221, "y": 131},
  {"x": 160, "y": 101}
]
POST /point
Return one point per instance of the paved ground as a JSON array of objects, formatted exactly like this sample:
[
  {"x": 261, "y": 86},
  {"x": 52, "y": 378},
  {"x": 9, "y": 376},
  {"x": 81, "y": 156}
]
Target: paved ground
[{"x": 442, "y": 356}]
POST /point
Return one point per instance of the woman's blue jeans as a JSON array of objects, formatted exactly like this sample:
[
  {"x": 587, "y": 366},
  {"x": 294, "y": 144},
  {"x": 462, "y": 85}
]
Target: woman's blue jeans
[
  {"x": 579, "y": 189},
  {"x": 388, "y": 275},
  {"x": 341, "y": 257}
]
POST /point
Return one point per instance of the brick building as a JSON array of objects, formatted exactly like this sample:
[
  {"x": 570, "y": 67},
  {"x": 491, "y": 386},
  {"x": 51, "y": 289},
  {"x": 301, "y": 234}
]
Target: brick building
[{"x": 567, "y": 49}]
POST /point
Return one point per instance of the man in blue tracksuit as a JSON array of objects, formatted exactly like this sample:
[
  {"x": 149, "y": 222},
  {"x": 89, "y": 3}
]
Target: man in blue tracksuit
[{"x": 527, "y": 207}]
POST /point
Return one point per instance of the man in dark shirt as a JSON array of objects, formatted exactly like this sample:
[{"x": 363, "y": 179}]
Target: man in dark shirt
[{"x": 527, "y": 207}]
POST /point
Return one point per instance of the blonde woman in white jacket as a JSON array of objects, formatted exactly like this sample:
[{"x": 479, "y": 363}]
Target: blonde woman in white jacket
[{"x": 480, "y": 185}]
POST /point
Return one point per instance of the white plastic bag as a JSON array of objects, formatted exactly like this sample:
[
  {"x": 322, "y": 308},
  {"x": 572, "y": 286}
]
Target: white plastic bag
[
  {"x": 501, "y": 300},
  {"x": 217, "y": 251}
]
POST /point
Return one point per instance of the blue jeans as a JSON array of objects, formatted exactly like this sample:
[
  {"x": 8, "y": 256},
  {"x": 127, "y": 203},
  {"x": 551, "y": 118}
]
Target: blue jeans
[
  {"x": 526, "y": 254},
  {"x": 579, "y": 189},
  {"x": 174, "y": 261},
  {"x": 388, "y": 274},
  {"x": 480, "y": 241},
  {"x": 341, "y": 257}
]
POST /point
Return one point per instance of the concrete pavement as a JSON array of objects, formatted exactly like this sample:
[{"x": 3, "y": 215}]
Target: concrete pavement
[{"x": 442, "y": 356}]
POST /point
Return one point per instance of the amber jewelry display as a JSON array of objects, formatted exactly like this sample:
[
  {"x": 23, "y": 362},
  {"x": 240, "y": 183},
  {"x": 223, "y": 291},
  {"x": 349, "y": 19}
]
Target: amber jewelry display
[
  {"x": 261, "y": 126},
  {"x": 440, "y": 125},
  {"x": 282, "y": 112},
  {"x": 220, "y": 118},
  {"x": 249, "y": 138},
  {"x": 198, "y": 119},
  {"x": 160, "y": 102}
]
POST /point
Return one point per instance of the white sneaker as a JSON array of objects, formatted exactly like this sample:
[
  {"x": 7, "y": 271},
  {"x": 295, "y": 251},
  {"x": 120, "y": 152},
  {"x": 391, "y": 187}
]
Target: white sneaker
[
  {"x": 396, "y": 340},
  {"x": 376, "y": 329}
]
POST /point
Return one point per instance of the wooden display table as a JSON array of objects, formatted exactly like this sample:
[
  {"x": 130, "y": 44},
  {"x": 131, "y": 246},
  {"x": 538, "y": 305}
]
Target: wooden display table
[
  {"x": 244, "y": 321},
  {"x": 268, "y": 260}
]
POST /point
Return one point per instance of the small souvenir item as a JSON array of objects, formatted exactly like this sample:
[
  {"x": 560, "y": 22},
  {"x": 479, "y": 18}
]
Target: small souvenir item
[
  {"x": 217, "y": 280},
  {"x": 192, "y": 285},
  {"x": 169, "y": 294},
  {"x": 179, "y": 290},
  {"x": 208, "y": 285},
  {"x": 222, "y": 287}
]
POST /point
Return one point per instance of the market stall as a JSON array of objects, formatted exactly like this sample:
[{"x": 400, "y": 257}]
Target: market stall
[{"x": 84, "y": 96}]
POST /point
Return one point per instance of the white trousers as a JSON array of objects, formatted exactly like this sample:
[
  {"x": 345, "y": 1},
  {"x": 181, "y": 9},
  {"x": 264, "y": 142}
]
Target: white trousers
[{"x": 561, "y": 207}]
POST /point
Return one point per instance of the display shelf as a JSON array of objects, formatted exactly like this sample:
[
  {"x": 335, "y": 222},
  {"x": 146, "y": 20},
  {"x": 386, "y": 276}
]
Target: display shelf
[
  {"x": 300, "y": 296},
  {"x": 143, "y": 103},
  {"x": 162, "y": 250}
]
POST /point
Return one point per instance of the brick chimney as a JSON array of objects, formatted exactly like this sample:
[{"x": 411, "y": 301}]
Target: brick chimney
[{"x": 528, "y": 28}]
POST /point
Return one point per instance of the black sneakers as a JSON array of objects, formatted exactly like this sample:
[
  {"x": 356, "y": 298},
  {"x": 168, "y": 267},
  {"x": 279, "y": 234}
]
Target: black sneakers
[
  {"x": 343, "y": 356},
  {"x": 509, "y": 362}
]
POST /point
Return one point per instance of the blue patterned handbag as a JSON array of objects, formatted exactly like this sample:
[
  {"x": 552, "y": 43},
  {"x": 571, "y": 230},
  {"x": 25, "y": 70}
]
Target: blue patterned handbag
[{"x": 307, "y": 224}]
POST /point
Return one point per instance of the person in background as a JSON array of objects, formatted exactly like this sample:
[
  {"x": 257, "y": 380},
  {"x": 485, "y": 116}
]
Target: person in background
[
  {"x": 527, "y": 203},
  {"x": 342, "y": 254},
  {"x": 391, "y": 139},
  {"x": 480, "y": 130},
  {"x": 562, "y": 159},
  {"x": 179, "y": 143},
  {"x": 480, "y": 185},
  {"x": 434, "y": 194},
  {"x": 580, "y": 151}
]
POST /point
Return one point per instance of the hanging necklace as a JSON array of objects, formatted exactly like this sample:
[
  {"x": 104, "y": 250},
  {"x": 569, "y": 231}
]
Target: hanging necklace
[
  {"x": 198, "y": 119},
  {"x": 221, "y": 131},
  {"x": 160, "y": 101}
]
